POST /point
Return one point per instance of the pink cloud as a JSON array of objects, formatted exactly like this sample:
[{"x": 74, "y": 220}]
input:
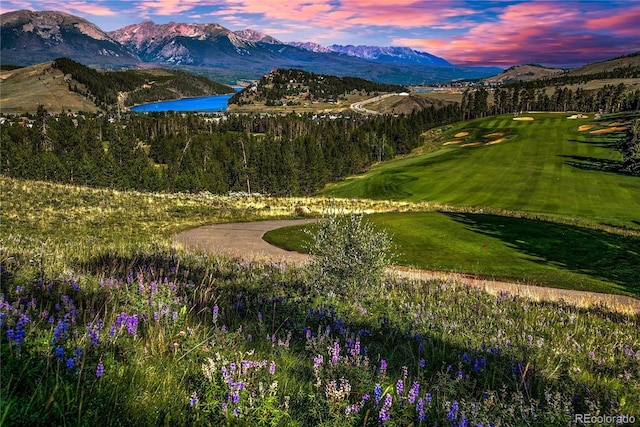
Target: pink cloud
[
  {"x": 167, "y": 7},
  {"x": 97, "y": 8},
  {"x": 347, "y": 14},
  {"x": 545, "y": 32}
]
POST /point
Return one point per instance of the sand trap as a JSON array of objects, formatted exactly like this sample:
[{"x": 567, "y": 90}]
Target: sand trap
[
  {"x": 460, "y": 134},
  {"x": 457, "y": 141},
  {"x": 586, "y": 127},
  {"x": 616, "y": 124},
  {"x": 471, "y": 144},
  {"x": 609, "y": 130},
  {"x": 491, "y": 135},
  {"x": 497, "y": 141},
  {"x": 524, "y": 119},
  {"x": 578, "y": 116}
]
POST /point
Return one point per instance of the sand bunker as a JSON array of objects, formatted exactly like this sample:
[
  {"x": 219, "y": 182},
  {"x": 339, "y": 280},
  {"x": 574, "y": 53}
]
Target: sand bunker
[
  {"x": 457, "y": 141},
  {"x": 524, "y": 119},
  {"x": 491, "y": 135},
  {"x": 617, "y": 124},
  {"x": 586, "y": 127},
  {"x": 609, "y": 130},
  {"x": 471, "y": 144},
  {"x": 497, "y": 141},
  {"x": 460, "y": 134},
  {"x": 578, "y": 116}
]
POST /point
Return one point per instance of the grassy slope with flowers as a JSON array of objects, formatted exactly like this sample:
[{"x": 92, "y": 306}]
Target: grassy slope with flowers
[{"x": 104, "y": 323}]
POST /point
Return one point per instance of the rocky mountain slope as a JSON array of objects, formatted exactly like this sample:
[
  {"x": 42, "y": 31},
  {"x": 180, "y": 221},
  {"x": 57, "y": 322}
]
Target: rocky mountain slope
[
  {"x": 224, "y": 55},
  {"x": 35, "y": 37}
]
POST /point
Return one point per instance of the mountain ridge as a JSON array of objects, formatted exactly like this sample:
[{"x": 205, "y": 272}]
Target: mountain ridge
[{"x": 218, "y": 52}]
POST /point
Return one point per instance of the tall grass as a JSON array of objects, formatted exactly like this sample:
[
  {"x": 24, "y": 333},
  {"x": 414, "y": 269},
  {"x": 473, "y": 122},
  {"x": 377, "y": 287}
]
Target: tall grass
[{"x": 132, "y": 331}]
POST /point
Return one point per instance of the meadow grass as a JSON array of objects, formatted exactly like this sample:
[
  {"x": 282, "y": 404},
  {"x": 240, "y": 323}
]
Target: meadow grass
[
  {"x": 103, "y": 322},
  {"x": 545, "y": 166}
]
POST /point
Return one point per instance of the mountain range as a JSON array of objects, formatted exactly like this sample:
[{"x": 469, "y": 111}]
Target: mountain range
[{"x": 30, "y": 37}]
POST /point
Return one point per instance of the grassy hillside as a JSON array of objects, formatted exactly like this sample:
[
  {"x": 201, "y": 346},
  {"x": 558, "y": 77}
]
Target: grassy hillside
[
  {"x": 545, "y": 165},
  {"x": 105, "y": 323},
  {"x": 63, "y": 85},
  {"x": 23, "y": 89}
]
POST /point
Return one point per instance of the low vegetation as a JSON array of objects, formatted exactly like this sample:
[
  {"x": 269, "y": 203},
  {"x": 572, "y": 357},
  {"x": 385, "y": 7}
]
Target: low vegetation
[{"x": 123, "y": 329}]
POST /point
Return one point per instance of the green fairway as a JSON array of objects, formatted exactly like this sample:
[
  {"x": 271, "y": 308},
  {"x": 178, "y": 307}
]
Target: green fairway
[
  {"x": 544, "y": 166},
  {"x": 505, "y": 248},
  {"x": 547, "y": 167}
]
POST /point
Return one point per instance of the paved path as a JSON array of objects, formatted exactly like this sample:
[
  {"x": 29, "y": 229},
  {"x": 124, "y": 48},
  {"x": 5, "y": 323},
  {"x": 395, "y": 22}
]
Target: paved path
[{"x": 244, "y": 240}]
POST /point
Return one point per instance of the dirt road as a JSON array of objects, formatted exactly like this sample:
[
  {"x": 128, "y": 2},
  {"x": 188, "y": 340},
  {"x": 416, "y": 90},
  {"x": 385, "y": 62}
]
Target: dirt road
[{"x": 244, "y": 240}]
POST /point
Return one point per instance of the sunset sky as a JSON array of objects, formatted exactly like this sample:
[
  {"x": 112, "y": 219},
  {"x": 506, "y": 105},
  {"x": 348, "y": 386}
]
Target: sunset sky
[{"x": 500, "y": 32}]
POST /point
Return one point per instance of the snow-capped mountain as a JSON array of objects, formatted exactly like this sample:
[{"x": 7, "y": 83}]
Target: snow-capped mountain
[
  {"x": 32, "y": 37},
  {"x": 393, "y": 54}
]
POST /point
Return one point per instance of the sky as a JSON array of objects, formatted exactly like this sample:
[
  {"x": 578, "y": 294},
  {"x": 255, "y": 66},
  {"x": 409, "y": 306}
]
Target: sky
[{"x": 502, "y": 33}]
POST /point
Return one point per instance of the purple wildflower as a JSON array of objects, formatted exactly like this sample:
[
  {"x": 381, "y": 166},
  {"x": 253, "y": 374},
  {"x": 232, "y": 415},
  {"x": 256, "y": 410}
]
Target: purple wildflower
[
  {"x": 384, "y": 415},
  {"x": 99, "y": 370},
  {"x": 377, "y": 393},
  {"x": 70, "y": 363},
  {"x": 317, "y": 361},
  {"x": 59, "y": 352},
  {"x": 399, "y": 387},
  {"x": 383, "y": 367},
  {"x": 420, "y": 410},
  {"x": 453, "y": 413},
  {"x": 193, "y": 401},
  {"x": 272, "y": 367},
  {"x": 413, "y": 393}
]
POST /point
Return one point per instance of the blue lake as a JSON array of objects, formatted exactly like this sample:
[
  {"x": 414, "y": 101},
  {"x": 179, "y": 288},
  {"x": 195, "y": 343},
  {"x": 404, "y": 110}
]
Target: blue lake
[{"x": 203, "y": 104}]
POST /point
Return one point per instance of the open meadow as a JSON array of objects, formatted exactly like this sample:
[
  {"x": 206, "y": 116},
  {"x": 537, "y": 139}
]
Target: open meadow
[{"x": 104, "y": 322}]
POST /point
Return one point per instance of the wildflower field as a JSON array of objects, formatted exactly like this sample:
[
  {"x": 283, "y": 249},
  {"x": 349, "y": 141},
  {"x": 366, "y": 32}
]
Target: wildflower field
[{"x": 103, "y": 322}]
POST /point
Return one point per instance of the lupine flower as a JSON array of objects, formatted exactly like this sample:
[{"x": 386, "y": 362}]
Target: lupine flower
[
  {"x": 399, "y": 387},
  {"x": 377, "y": 393},
  {"x": 193, "y": 401},
  {"x": 70, "y": 363},
  {"x": 99, "y": 370},
  {"x": 383, "y": 367},
  {"x": 422, "y": 363},
  {"x": 420, "y": 410},
  {"x": 384, "y": 415},
  {"x": 413, "y": 393},
  {"x": 453, "y": 413},
  {"x": 215, "y": 313},
  {"x": 59, "y": 352},
  {"x": 272, "y": 367},
  {"x": 260, "y": 317}
]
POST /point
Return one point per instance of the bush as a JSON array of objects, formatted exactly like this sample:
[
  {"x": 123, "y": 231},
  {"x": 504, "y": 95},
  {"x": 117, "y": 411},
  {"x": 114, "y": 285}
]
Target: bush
[{"x": 349, "y": 257}]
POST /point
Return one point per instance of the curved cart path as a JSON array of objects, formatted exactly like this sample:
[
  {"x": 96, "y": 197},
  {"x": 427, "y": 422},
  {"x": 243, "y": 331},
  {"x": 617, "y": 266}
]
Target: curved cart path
[{"x": 244, "y": 240}]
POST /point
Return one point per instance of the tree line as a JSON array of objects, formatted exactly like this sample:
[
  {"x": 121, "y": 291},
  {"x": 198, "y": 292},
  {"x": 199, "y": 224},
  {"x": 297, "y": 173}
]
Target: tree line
[
  {"x": 279, "y": 155},
  {"x": 514, "y": 98}
]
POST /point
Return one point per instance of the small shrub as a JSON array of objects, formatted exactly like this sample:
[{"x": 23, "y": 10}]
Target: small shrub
[{"x": 349, "y": 257}]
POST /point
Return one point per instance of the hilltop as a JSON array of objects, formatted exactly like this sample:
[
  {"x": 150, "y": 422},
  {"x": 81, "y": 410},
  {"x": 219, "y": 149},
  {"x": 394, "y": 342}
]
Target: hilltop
[
  {"x": 64, "y": 84},
  {"x": 299, "y": 88},
  {"x": 524, "y": 73}
]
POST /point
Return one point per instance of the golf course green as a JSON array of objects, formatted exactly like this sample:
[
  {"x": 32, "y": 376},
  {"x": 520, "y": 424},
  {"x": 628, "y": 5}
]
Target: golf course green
[
  {"x": 544, "y": 166},
  {"x": 552, "y": 167}
]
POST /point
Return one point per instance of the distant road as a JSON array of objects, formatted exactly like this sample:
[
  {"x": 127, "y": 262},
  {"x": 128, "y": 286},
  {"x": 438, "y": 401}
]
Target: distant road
[{"x": 358, "y": 106}]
